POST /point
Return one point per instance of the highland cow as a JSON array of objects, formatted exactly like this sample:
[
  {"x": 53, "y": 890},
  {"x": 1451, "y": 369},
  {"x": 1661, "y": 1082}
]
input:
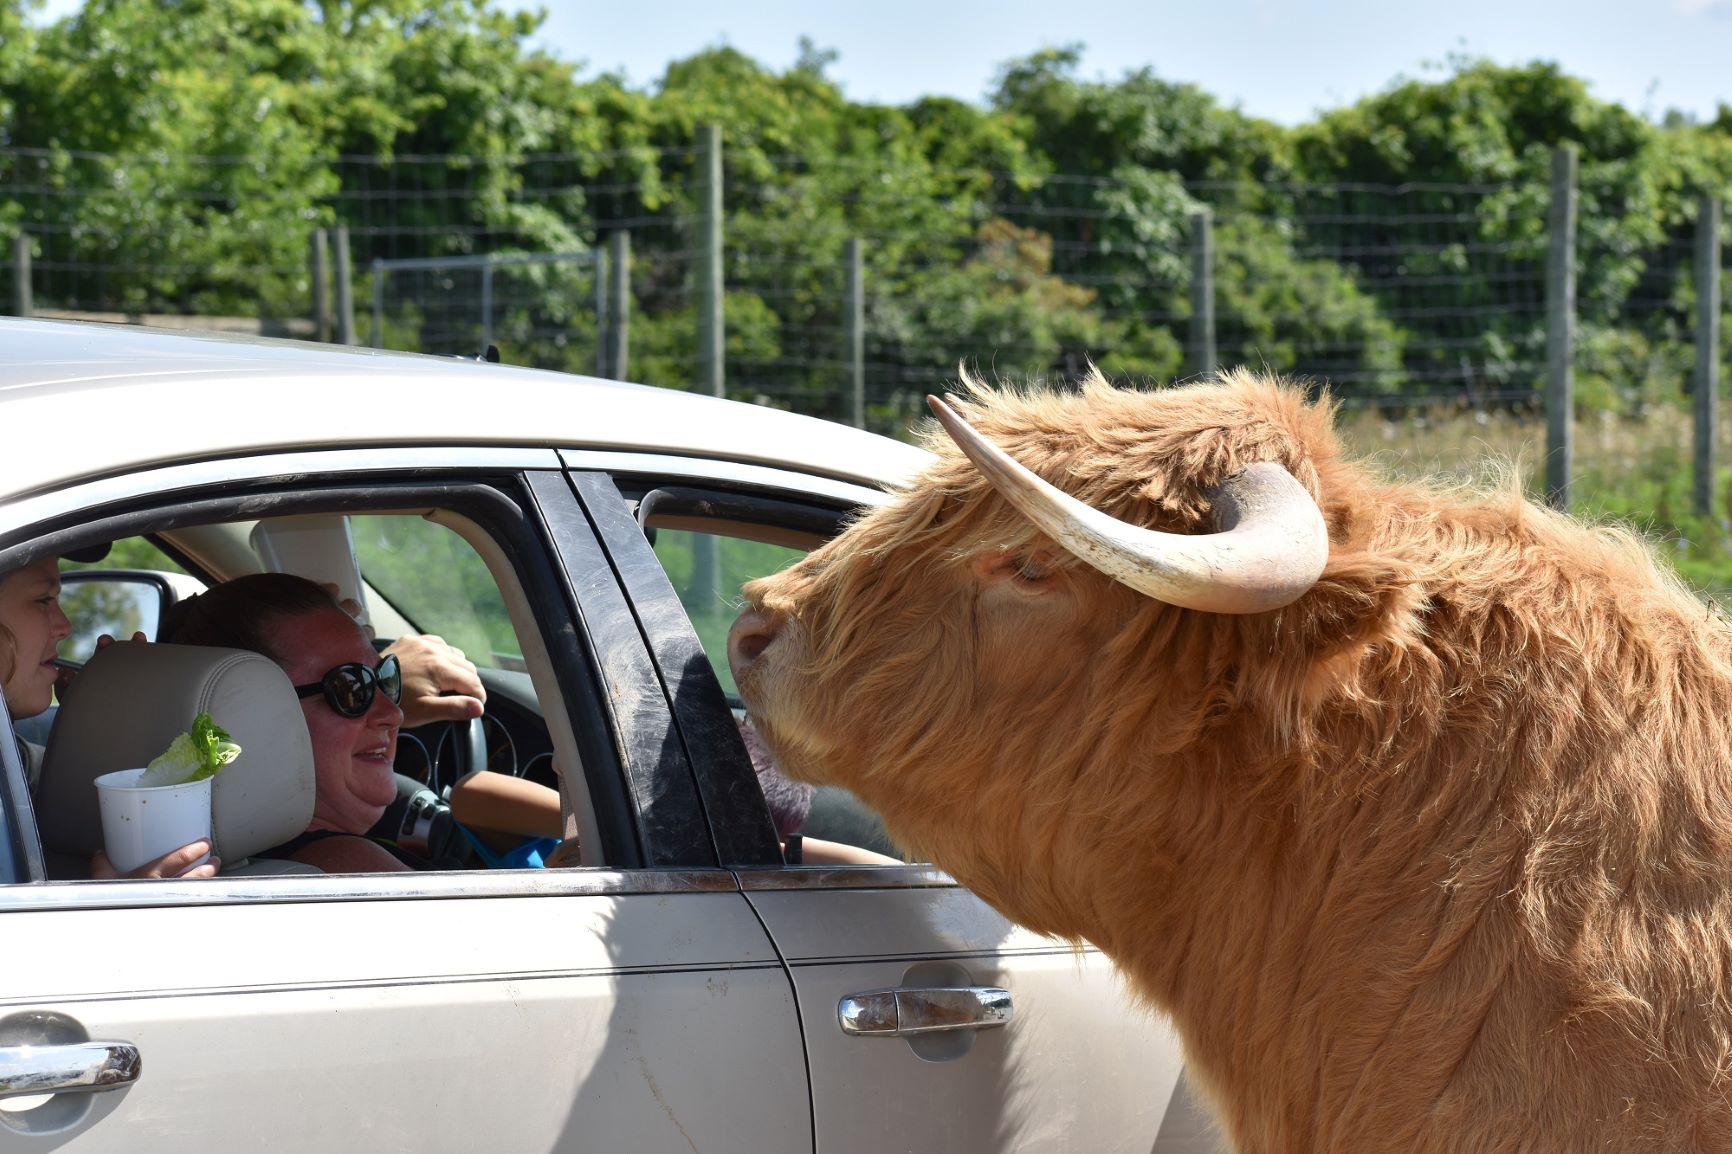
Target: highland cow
[{"x": 1411, "y": 805}]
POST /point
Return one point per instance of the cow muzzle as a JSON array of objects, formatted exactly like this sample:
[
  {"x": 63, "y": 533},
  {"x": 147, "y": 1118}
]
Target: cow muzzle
[{"x": 753, "y": 632}]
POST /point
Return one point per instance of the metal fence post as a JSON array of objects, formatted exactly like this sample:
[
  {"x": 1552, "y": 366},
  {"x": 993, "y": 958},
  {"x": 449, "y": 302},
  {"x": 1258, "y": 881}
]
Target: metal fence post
[
  {"x": 854, "y": 330},
  {"x": 486, "y": 305},
  {"x": 619, "y": 315},
  {"x": 712, "y": 373},
  {"x": 319, "y": 273},
  {"x": 378, "y": 340},
  {"x": 1561, "y": 327},
  {"x": 345, "y": 288},
  {"x": 1203, "y": 359},
  {"x": 598, "y": 264},
  {"x": 22, "y": 304},
  {"x": 1706, "y": 382}
]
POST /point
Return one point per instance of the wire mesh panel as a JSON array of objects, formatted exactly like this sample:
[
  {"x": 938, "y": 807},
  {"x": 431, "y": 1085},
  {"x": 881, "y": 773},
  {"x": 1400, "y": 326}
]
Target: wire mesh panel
[
  {"x": 1415, "y": 294},
  {"x": 160, "y": 235},
  {"x": 540, "y": 309},
  {"x": 1399, "y": 296}
]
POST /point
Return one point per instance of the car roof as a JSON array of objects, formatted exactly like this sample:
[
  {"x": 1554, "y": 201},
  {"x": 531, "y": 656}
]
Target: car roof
[{"x": 80, "y": 399}]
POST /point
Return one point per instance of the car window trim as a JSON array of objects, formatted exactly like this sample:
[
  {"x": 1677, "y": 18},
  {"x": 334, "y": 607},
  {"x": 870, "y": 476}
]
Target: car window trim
[
  {"x": 734, "y": 807},
  {"x": 673, "y": 469},
  {"x": 68, "y": 504},
  {"x": 656, "y": 763},
  {"x": 710, "y": 504},
  {"x": 23, "y": 860},
  {"x": 297, "y": 888},
  {"x": 912, "y": 876}
]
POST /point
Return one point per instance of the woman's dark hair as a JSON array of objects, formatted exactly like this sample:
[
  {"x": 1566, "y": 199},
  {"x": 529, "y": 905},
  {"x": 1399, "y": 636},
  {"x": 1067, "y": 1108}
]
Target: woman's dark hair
[{"x": 243, "y": 613}]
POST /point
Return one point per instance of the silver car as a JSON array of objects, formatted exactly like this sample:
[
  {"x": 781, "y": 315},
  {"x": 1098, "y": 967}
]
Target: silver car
[{"x": 683, "y": 988}]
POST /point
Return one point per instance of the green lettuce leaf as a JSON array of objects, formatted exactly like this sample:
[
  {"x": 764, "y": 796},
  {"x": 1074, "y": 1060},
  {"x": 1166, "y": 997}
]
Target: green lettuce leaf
[{"x": 193, "y": 755}]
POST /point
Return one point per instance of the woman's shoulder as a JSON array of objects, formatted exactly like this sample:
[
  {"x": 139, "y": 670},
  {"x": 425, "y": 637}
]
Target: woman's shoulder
[{"x": 347, "y": 853}]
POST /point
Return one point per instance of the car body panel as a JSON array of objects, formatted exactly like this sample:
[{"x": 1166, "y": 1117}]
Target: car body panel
[
  {"x": 1106, "y": 1068},
  {"x": 166, "y": 397},
  {"x": 589, "y": 1021}
]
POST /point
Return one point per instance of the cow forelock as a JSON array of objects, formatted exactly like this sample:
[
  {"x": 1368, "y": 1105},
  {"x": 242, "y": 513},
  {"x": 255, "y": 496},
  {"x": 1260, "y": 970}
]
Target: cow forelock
[{"x": 1144, "y": 457}]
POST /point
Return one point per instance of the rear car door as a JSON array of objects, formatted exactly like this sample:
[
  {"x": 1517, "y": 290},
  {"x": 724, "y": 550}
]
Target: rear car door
[
  {"x": 896, "y": 950},
  {"x": 633, "y": 1005}
]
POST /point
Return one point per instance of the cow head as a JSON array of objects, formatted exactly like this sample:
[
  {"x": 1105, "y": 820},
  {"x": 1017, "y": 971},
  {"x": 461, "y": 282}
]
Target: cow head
[{"x": 1070, "y": 590}]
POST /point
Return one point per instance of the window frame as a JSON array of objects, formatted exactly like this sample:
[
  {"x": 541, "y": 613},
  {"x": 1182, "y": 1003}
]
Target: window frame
[
  {"x": 525, "y": 511},
  {"x": 689, "y": 498},
  {"x": 733, "y": 807}
]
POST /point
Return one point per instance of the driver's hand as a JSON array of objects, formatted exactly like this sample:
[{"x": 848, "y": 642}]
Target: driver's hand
[
  {"x": 65, "y": 675},
  {"x": 439, "y": 683}
]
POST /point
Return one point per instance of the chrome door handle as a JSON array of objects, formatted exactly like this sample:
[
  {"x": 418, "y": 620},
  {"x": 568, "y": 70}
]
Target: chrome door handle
[
  {"x": 68, "y": 1067},
  {"x": 904, "y": 1010}
]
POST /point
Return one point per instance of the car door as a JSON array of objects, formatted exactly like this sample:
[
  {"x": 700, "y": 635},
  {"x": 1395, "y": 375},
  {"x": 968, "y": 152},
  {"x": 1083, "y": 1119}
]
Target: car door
[
  {"x": 903, "y": 978},
  {"x": 638, "y": 1004}
]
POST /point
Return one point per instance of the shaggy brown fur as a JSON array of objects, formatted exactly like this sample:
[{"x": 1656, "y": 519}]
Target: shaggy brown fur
[{"x": 1437, "y": 858}]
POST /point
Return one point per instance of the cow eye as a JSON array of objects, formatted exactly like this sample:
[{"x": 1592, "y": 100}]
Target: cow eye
[{"x": 1033, "y": 569}]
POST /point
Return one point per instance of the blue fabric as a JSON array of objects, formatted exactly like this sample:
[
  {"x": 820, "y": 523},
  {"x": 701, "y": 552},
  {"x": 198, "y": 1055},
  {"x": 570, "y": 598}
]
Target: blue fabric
[{"x": 531, "y": 853}]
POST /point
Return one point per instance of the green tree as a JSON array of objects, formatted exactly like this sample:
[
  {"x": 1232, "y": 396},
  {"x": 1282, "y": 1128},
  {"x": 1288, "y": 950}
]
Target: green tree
[
  {"x": 197, "y": 142},
  {"x": 174, "y": 140},
  {"x": 1474, "y": 149},
  {"x": 1126, "y": 166},
  {"x": 805, "y": 171}
]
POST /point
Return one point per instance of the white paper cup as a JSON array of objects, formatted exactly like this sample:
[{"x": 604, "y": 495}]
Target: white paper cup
[{"x": 141, "y": 823}]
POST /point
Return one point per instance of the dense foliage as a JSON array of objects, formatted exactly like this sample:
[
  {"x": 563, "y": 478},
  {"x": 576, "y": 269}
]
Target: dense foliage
[{"x": 173, "y": 155}]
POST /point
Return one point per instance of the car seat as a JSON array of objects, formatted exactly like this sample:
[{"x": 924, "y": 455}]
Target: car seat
[{"x": 128, "y": 704}]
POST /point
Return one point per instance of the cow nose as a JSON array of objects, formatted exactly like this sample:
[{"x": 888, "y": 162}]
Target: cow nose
[{"x": 750, "y": 635}]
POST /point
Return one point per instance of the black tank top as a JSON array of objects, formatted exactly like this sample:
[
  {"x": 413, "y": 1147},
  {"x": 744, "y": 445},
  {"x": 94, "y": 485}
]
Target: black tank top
[{"x": 286, "y": 851}]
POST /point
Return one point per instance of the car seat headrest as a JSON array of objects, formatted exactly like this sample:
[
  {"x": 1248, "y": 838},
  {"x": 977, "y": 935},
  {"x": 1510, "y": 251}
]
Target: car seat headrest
[{"x": 132, "y": 699}]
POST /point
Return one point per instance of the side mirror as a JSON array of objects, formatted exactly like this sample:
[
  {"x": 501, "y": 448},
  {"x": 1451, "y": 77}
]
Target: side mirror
[{"x": 118, "y": 602}]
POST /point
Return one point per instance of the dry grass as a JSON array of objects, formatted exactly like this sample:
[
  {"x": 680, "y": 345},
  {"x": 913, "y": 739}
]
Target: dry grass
[{"x": 1636, "y": 469}]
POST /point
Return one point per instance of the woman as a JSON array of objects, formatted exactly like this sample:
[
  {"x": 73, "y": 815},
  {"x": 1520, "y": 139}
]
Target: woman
[
  {"x": 32, "y": 626},
  {"x": 349, "y": 694},
  {"x": 352, "y": 697}
]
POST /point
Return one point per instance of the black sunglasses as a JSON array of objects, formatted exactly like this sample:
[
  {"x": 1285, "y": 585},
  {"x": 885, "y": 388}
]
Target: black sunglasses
[{"x": 349, "y": 688}]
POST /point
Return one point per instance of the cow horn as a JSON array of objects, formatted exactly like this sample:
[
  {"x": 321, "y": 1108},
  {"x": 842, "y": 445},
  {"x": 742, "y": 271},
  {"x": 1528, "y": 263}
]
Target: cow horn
[{"x": 1269, "y": 548}]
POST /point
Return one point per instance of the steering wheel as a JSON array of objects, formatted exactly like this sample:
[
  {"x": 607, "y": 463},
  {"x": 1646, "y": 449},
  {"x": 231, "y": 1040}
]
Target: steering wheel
[
  {"x": 469, "y": 747},
  {"x": 467, "y": 743},
  {"x": 420, "y": 818}
]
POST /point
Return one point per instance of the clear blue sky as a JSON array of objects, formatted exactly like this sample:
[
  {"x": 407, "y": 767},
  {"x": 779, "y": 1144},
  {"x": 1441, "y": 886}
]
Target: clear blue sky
[{"x": 1281, "y": 59}]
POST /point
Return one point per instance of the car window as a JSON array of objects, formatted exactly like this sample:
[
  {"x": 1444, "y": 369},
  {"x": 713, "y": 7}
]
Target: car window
[
  {"x": 437, "y": 575},
  {"x": 131, "y": 553},
  {"x": 707, "y": 570},
  {"x": 436, "y": 580}
]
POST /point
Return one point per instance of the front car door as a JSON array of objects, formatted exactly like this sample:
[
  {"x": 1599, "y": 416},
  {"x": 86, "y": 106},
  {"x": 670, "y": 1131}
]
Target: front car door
[
  {"x": 634, "y": 1004},
  {"x": 1078, "y": 1066}
]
